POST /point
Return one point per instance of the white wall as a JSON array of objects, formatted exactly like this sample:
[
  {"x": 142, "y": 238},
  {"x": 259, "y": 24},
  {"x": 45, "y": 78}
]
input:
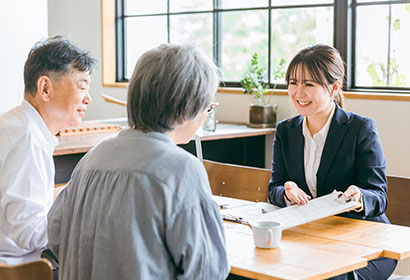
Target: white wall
[
  {"x": 22, "y": 23},
  {"x": 81, "y": 20}
]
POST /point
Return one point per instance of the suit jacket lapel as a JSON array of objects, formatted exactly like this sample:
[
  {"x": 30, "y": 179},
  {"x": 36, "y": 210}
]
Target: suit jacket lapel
[
  {"x": 334, "y": 139},
  {"x": 296, "y": 152}
]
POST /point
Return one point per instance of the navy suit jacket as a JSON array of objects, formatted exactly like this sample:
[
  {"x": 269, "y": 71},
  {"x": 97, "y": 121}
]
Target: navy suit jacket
[{"x": 352, "y": 155}]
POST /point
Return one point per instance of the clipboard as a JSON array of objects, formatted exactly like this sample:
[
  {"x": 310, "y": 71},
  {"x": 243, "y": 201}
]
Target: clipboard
[
  {"x": 291, "y": 216},
  {"x": 318, "y": 208}
]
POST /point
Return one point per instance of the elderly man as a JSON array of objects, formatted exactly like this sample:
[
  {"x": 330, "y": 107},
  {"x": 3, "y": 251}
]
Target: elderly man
[
  {"x": 138, "y": 206},
  {"x": 56, "y": 78}
]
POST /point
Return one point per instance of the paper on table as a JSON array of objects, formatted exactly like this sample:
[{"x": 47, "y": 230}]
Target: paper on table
[
  {"x": 228, "y": 203},
  {"x": 315, "y": 209},
  {"x": 247, "y": 212}
]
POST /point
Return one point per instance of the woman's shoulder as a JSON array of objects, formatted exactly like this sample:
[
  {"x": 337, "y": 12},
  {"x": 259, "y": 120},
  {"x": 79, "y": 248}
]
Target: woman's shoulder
[
  {"x": 358, "y": 120},
  {"x": 290, "y": 122}
]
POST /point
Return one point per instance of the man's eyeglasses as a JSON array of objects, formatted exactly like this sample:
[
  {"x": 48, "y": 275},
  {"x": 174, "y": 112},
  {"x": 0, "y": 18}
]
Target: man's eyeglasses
[{"x": 212, "y": 107}]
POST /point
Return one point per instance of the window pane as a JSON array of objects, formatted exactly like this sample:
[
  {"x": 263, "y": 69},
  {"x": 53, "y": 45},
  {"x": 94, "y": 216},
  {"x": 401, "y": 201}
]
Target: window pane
[
  {"x": 299, "y": 2},
  {"x": 243, "y": 33},
  {"x": 190, "y": 5},
  {"x": 141, "y": 39},
  {"x": 233, "y": 4},
  {"x": 133, "y": 7},
  {"x": 194, "y": 28},
  {"x": 367, "y": 1},
  {"x": 295, "y": 29},
  {"x": 381, "y": 62}
]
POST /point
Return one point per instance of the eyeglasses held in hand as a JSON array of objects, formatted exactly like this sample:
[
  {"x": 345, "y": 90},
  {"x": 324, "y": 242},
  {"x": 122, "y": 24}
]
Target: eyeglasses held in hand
[{"x": 212, "y": 107}]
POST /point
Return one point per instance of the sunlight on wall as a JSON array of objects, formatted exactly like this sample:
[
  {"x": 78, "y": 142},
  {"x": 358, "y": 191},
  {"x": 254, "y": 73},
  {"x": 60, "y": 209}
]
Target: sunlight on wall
[{"x": 22, "y": 23}]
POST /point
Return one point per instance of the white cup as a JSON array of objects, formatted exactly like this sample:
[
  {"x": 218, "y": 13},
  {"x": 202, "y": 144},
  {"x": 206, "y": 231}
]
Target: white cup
[{"x": 266, "y": 234}]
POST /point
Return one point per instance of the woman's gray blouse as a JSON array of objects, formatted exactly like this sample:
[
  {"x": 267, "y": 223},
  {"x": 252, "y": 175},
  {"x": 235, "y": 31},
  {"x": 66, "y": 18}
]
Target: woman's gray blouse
[{"x": 138, "y": 207}]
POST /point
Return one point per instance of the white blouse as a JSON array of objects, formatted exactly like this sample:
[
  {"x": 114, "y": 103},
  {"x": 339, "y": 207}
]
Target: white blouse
[{"x": 313, "y": 152}]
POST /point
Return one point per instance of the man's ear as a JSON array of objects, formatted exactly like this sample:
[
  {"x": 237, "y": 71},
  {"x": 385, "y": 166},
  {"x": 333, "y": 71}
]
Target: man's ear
[{"x": 44, "y": 87}]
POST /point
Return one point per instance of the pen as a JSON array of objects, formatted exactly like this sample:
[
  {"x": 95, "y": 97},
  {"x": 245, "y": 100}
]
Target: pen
[
  {"x": 347, "y": 200},
  {"x": 233, "y": 219},
  {"x": 350, "y": 199},
  {"x": 236, "y": 220}
]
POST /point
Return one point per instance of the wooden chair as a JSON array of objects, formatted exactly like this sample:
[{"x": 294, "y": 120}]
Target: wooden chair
[
  {"x": 236, "y": 181},
  {"x": 37, "y": 270},
  {"x": 398, "y": 193}
]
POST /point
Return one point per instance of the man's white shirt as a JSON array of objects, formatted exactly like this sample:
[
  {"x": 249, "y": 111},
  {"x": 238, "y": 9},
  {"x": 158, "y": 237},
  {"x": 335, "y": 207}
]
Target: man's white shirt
[{"x": 26, "y": 183}]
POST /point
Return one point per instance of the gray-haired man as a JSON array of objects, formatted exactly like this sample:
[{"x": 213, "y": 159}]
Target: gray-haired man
[{"x": 56, "y": 78}]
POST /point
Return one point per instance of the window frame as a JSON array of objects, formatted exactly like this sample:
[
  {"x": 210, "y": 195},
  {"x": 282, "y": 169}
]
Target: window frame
[{"x": 344, "y": 41}]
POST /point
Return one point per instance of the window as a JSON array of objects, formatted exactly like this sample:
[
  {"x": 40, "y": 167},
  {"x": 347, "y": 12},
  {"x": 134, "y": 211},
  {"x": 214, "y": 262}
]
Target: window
[
  {"x": 230, "y": 31},
  {"x": 382, "y": 44}
]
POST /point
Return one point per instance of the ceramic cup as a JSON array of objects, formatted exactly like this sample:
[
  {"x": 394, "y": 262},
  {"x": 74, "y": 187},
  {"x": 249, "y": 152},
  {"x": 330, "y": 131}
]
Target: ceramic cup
[{"x": 266, "y": 234}]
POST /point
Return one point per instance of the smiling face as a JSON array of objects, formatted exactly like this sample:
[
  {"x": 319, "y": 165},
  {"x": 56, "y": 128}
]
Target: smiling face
[
  {"x": 68, "y": 99},
  {"x": 309, "y": 97}
]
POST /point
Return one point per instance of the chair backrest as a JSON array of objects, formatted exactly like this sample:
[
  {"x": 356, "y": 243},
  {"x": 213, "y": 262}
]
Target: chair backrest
[
  {"x": 37, "y": 270},
  {"x": 236, "y": 181},
  {"x": 398, "y": 193}
]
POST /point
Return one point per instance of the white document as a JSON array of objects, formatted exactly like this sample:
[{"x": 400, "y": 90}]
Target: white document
[
  {"x": 229, "y": 203},
  {"x": 315, "y": 209},
  {"x": 247, "y": 212},
  {"x": 243, "y": 211}
]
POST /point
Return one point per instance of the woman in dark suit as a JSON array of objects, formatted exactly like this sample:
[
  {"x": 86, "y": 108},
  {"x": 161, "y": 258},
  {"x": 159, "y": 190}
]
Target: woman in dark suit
[{"x": 325, "y": 148}]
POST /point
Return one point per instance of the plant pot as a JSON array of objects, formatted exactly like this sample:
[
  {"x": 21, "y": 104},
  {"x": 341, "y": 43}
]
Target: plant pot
[{"x": 262, "y": 116}]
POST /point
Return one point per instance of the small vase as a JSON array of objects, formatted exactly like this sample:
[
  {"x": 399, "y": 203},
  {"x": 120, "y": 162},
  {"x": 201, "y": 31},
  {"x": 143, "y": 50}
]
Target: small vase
[{"x": 210, "y": 122}]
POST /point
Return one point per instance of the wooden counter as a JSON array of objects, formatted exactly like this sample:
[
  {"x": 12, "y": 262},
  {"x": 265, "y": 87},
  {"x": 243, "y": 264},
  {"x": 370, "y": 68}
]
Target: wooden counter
[
  {"x": 230, "y": 143},
  {"x": 229, "y": 131},
  {"x": 75, "y": 144}
]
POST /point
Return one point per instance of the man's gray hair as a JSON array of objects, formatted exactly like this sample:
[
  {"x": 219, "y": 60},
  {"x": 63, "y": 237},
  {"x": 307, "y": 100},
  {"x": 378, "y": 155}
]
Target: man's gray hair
[
  {"x": 54, "y": 57},
  {"x": 170, "y": 84}
]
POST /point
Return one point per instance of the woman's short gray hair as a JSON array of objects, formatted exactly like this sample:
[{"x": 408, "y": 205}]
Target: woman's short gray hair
[{"x": 171, "y": 83}]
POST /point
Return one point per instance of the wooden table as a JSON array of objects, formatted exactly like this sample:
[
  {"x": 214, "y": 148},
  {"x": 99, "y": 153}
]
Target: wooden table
[
  {"x": 394, "y": 240},
  {"x": 298, "y": 257},
  {"x": 317, "y": 250}
]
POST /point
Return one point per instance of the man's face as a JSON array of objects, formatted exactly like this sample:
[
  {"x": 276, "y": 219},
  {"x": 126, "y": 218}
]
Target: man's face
[{"x": 69, "y": 99}]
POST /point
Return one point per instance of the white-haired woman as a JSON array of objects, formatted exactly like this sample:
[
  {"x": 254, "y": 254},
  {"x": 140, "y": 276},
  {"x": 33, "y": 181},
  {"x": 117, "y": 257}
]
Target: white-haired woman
[{"x": 137, "y": 205}]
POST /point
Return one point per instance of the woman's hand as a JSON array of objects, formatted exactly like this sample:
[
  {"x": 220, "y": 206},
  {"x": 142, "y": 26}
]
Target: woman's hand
[
  {"x": 354, "y": 193},
  {"x": 295, "y": 194}
]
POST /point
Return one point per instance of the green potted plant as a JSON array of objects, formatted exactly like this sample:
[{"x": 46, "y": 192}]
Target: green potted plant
[{"x": 261, "y": 113}]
